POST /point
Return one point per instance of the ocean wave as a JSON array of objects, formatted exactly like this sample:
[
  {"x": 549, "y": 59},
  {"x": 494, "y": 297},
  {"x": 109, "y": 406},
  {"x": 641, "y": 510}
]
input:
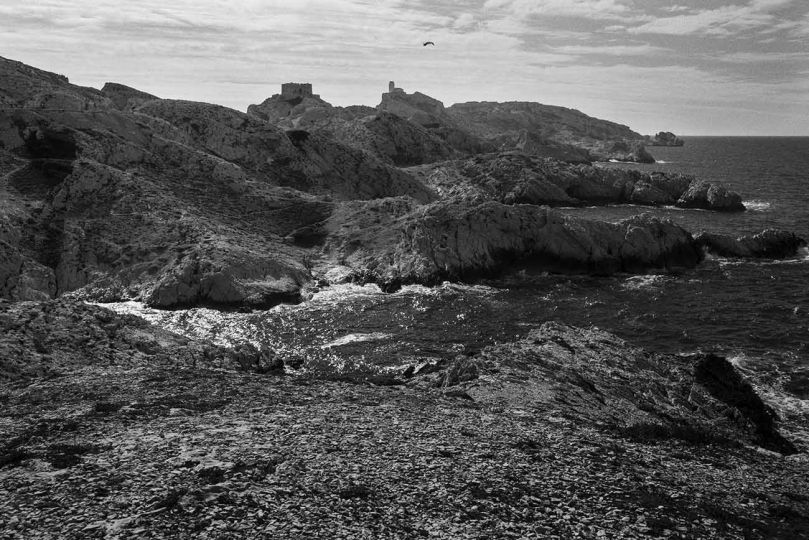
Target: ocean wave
[
  {"x": 757, "y": 206},
  {"x": 773, "y": 390},
  {"x": 355, "y": 338},
  {"x": 339, "y": 292},
  {"x": 222, "y": 328}
]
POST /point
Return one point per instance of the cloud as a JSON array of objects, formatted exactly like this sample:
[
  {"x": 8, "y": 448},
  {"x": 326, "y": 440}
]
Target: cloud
[
  {"x": 632, "y": 61},
  {"x": 722, "y": 21},
  {"x": 610, "y": 50},
  {"x": 591, "y": 9}
]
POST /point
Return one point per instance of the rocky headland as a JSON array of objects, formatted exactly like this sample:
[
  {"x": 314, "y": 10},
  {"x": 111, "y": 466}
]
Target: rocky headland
[{"x": 115, "y": 194}]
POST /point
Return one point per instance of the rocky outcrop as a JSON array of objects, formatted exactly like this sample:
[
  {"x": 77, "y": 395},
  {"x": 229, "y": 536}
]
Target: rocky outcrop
[
  {"x": 665, "y": 138},
  {"x": 22, "y": 278},
  {"x": 57, "y": 337},
  {"x": 391, "y": 242},
  {"x": 593, "y": 377},
  {"x": 701, "y": 194},
  {"x": 24, "y": 86},
  {"x": 430, "y": 114},
  {"x": 517, "y": 178},
  {"x": 550, "y": 131},
  {"x": 291, "y": 112},
  {"x": 327, "y": 167},
  {"x": 623, "y": 151},
  {"x": 124, "y": 97},
  {"x": 769, "y": 244}
]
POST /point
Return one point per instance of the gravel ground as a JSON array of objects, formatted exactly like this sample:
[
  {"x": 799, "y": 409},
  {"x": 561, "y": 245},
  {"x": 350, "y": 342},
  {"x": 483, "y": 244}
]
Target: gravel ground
[{"x": 140, "y": 452}]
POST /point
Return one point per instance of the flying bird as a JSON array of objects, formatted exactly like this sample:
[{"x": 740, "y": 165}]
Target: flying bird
[{"x": 428, "y": 43}]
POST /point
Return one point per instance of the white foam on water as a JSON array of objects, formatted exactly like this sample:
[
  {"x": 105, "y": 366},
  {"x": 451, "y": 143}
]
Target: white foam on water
[
  {"x": 337, "y": 293},
  {"x": 757, "y": 206},
  {"x": 356, "y": 338},
  {"x": 643, "y": 282},
  {"x": 226, "y": 329},
  {"x": 446, "y": 286},
  {"x": 793, "y": 411}
]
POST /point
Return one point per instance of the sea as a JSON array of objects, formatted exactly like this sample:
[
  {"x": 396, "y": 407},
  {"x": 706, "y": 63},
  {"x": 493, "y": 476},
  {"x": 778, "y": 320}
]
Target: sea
[{"x": 755, "y": 313}]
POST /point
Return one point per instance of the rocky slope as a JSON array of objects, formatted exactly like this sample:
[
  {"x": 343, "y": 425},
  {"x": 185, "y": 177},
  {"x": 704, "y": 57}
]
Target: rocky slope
[
  {"x": 518, "y": 178},
  {"x": 173, "y": 202},
  {"x": 509, "y": 124}
]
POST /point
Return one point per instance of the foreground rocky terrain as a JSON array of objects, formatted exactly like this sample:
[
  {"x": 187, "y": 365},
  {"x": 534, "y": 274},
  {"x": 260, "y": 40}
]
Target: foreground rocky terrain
[{"x": 121, "y": 430}]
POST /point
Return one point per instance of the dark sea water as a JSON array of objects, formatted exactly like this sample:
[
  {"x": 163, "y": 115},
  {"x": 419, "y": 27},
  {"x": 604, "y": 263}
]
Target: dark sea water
[{"x": 756, "y": 313}]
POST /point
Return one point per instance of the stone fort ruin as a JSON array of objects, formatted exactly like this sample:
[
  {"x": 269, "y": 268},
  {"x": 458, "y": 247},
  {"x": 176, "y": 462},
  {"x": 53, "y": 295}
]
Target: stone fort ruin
[{"x": 291, "y": 91}]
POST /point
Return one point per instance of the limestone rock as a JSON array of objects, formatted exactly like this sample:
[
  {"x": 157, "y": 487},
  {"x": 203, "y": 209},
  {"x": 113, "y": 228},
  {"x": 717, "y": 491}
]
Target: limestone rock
[
  {"x": 770, "y": 244},
  {"x": 125, "y": 98},
  {"x": 701, "y": 194},
  {"x": 392, "y": 243},
  {"x": 665, "y": 138},
  {"x": 516, "y": 178},
  {"x": 596, "y": 377},
  {"x": 549, "y": 131},
  {"x": 429, "y": 113}
]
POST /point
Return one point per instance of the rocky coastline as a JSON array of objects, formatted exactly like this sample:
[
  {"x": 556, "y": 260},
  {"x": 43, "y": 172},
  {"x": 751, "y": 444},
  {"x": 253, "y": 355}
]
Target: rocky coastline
[{"x": 118, "y": 195}]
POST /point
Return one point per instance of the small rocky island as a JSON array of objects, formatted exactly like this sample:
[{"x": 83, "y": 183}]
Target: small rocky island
[{"x": 111, "y": 427}]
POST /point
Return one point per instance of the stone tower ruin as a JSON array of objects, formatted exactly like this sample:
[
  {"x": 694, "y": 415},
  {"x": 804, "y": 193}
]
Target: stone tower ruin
[{"x": 296, "y": 90}]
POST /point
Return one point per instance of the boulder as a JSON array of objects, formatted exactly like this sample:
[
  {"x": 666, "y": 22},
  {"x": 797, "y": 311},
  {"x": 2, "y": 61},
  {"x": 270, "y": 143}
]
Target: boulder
[{"x": 701, "y": 194}]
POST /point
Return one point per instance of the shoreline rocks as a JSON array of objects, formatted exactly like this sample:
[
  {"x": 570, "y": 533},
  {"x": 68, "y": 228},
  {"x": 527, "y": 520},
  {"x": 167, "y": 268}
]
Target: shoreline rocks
[
  {"x": 768, "y": 244},
  {"x": 392, "y": 243}
]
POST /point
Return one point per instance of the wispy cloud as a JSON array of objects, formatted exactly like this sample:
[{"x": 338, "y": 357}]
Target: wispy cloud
[
  {"x": 726, "y": 20},
  {"x": 591, "y": 9}
]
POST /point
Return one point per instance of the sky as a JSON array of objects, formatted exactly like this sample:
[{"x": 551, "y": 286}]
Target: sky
[{"x": 694, "y": 67}]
